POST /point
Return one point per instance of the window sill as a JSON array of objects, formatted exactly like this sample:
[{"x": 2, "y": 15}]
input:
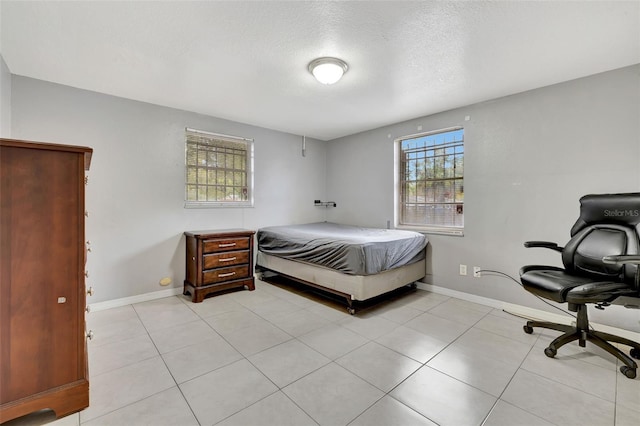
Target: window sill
[
  {"x": 452, "y": 232},
  {"x": 213, "y": 205}
]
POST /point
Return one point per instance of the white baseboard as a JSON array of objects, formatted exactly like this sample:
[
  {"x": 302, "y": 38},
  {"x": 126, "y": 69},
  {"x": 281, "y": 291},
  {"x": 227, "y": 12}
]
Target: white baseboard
[
  {"x": 460, "y": 295},
  {"x": 116, "y": 303},
  {"x": 530, "y": 313}
]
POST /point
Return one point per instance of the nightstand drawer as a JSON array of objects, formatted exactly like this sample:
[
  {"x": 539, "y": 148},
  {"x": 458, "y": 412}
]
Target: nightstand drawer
[
  {"x": 225, "y": 274},
  {"x": 221, "y": 260},
  {"x": 226, "y": 244}
]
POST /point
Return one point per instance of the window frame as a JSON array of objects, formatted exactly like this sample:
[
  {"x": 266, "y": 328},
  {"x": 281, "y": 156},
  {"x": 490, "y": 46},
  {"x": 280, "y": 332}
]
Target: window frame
[
  {"x": 249, "y": 170},
  {"x": 398, "y": 193}
]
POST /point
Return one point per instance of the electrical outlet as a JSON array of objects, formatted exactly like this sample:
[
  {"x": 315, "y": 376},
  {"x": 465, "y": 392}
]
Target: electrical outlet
[
  {"x": 476, "y": 272},
  {"x": 463, "y": 269}
]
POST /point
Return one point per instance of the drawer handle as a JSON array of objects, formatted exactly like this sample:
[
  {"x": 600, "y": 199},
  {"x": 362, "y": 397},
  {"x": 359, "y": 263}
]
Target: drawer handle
[
  {"x": 229, "y": 259},
  {"x": 226, "y": 275},
  {"x": 226, "y": 245}
]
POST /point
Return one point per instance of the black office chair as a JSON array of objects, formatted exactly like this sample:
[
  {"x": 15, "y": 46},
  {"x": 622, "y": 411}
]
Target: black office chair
[{"x": 600, "y": 264}]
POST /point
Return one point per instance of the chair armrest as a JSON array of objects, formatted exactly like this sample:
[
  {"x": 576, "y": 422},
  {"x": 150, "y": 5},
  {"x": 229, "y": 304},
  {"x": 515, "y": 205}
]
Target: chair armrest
[
  {"x": 543, "y": 244},
  {"x": 633, "y": 259}
]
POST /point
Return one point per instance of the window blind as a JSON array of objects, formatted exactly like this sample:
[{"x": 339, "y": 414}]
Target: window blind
[{"x": 219, "y": 170}]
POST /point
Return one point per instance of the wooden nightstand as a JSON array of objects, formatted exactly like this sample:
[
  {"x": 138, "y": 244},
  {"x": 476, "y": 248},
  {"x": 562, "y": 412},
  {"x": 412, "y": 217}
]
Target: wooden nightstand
[{"x": 218, "y": 260}]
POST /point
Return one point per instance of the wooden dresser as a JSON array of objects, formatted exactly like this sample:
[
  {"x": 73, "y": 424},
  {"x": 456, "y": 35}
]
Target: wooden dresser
[
  {"x": 43, "y": 352},
  {"x": 217, "y": 261}
]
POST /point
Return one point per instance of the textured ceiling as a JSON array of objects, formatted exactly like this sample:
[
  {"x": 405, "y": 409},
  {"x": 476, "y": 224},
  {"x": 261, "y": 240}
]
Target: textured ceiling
[{"x": 247, "y": 61}]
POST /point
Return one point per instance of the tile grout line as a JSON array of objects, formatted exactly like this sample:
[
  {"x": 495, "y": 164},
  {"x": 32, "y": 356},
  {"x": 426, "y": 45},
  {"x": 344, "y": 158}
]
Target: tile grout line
[
  {"x": 137, "y": 362},
  {"x": 334, "y": 361}
]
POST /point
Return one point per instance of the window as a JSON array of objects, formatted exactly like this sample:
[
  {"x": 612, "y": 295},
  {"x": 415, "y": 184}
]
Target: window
[
  {"x": 219, "y": 170},
  {"x": 430, "y": 192}
]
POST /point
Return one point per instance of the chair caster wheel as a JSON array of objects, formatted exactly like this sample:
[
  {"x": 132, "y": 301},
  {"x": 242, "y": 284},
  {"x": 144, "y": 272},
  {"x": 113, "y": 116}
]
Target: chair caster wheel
[
  {"x": 628, "y": 371},
  {"x": 635, "y": 353},
  {"x": 527, "y": 329},
  {"x": 550, "y": 352}
]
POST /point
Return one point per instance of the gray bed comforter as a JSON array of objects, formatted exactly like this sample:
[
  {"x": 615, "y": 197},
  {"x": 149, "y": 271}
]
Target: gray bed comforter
[{"x": 348, "y": 249}]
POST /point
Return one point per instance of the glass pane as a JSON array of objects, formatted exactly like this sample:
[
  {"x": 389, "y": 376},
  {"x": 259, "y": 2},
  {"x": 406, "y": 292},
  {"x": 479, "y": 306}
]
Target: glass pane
[
  {"x": 432, "y": 189},
  {"x": 237, "y": 162},
  {"x": 202, "y": 176},
  {"x": 420, "y": 169},
  {"x": 211, "y": 159},
  {"x": 216, "y": 169},
  {"x": 191, "y": 175},
  {"x": 191, "y": 193},
  {"x": 438, "y": 168},
  {"x": 202, "y": 193},
  {"x": 192, "y": 155},
  {"x": 220, "y": 194},
  {"x": 459, "y": 163},
  {"x": 430, "y": 193},
  {"x": 410, "y": 192},
  {"x": 211, "y": 193},
  {"x": 448, "y": 166},
  {"x": 448, "y": 194},
  {"x": 202, "y": 157},
  {"x": 459, "y": 187}
]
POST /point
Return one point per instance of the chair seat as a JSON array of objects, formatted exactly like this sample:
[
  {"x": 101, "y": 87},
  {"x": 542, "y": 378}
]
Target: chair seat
[{"x": 556, "y": 284}]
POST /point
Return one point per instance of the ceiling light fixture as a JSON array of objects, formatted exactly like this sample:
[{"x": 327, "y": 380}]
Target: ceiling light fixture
[{"x": 328, "y": 70}]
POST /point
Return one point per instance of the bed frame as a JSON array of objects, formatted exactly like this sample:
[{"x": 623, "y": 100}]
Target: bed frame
[{"x": 351, "y": 287}]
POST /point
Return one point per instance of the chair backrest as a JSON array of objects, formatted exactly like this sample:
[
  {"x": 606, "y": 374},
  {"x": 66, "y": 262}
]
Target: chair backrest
[{"x": 609, "y": 225}]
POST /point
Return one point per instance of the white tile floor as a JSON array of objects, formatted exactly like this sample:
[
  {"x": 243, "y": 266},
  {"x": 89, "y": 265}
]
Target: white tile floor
[{"x": 274, "y": 357}]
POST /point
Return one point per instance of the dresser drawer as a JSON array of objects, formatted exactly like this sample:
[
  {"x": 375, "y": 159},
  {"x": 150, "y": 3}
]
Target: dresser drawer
[
  {"x": 221, "y": 260},
  {"x": 225, "y": 244},
  {"x": 225, "y": 274}
]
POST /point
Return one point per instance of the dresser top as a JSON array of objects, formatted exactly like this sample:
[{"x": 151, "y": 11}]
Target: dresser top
[
  {"x": 234, "y": 232},
  {"x": 15, "y": 143}
]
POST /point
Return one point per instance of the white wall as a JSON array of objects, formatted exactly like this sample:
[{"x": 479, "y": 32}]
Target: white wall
[
  {"x": 135, "y": 195},
  {"x": 528, "y": 159},
  {"x": 5, "y": 100}
]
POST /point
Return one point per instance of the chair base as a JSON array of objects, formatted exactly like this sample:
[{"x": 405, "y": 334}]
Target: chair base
[{"x": 583, "y": 333}]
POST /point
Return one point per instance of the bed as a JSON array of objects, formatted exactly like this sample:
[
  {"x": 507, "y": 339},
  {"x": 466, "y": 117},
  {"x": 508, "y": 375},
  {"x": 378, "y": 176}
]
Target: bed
[{"x": 352, "y": 262}]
